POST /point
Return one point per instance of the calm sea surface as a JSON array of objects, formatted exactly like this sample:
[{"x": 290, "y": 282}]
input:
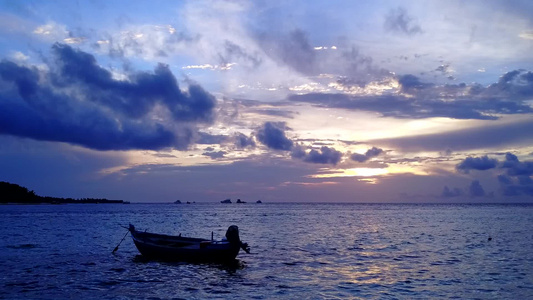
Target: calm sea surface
[{"x": 306, "y": 251}]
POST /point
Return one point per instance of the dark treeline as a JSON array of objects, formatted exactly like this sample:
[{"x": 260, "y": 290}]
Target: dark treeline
[{"x": 14, "y": 193}]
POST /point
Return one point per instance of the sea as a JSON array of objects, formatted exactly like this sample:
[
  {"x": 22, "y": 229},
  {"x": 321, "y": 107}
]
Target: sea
[{"x": 298, "y": 251}]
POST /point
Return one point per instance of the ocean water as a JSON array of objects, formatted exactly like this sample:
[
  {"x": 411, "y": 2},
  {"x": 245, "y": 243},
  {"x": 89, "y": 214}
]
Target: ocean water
[{"x": 306, "y": 251}]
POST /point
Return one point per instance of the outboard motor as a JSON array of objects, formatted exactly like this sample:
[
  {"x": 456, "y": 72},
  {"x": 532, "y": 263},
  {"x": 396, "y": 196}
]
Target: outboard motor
[{"x": 232, "y": 235}]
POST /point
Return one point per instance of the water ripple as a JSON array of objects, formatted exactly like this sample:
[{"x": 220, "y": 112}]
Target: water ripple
[{"x": 304, "y": 251}]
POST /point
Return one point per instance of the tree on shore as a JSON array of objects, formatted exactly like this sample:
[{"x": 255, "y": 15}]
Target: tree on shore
[
  {"x": 14, "y": 193},
  {"x": 10, "y": 192}
]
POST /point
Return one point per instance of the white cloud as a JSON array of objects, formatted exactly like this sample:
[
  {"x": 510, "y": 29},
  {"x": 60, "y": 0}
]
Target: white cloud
[
  {"x": 224, "y": 37},
  {"x": 74, "y": 40},
  {"x": 19, "y": 56},
  {"x": 526, "y": 35},
  {"x": 52, "y": 32},
  {"x": 227, "y": 66}
]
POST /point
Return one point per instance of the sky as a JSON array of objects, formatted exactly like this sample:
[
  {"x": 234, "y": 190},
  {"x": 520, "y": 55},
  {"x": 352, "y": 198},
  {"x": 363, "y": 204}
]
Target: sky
[{"x": 279, "y": 101}]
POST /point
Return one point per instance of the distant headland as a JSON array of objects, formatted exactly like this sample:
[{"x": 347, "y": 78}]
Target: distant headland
[{"x": 14, "y": 193}]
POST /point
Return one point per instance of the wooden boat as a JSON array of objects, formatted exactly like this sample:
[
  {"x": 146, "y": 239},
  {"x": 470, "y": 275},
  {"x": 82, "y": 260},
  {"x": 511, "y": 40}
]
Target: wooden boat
[{"x": 178, "y": 248}]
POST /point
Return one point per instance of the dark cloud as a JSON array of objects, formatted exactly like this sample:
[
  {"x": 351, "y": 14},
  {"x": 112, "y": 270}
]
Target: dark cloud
[
  {"x": 397, "y": 20},
  {"x": 450, "y": 193},
  {"x": 524, "y": 180},
  {"x": 91, "y": 128},
  {"x": 504, "y": 179},
  {"x": 517, "y": 180},
  {"x": 475, "y": 189},
  {"x": 411, "y": 83},
  {"x": 517, "y": 84},
  {"x": 298, "y": 151},
  {"x": 487, "y": 136},
  {"x": 215, "y": 154},
  {"x": 243, "y": 141},
  {"x": 515, "y": 167},
  {"x": 398, "y": 106},
  {"x": 476, "y": 163},
  {"x": 326, "y": 155},
  {"x": 370, "y": 153},
  {"x": 135, "y": 97},
  {"x": 425, "y": 100},
  {"x": 358, "y": 157},
  {"x": 373, "y": 152},
  {"x": 387, "y": 105},
  {"x": 272, "y": 135},
  {"x": 511, "y": 158},
  {"x": 443, "y": 69},
  {"x": 81, "y": 103}
]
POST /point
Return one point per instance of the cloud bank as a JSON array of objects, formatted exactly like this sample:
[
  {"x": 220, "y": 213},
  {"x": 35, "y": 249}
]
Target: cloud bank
[
  {"x": 78, "y": 102},
  {"x": 515, "y": 181},
  {"x": 418, "y": 100},
  {"x": 476, "y": 163},
  {"x": 372, "y": 152},
  {"x": 272, "y": 135}
]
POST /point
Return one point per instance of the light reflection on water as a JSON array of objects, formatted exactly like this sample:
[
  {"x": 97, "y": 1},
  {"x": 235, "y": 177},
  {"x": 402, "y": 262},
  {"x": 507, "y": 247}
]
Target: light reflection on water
[{"x": 311, "y": 251}]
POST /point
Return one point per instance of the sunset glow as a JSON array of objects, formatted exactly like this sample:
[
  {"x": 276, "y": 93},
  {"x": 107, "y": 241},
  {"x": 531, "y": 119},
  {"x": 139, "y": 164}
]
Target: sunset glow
[
  {"x": 356, "y": 172},
  {"x": 200, "y": 99}
]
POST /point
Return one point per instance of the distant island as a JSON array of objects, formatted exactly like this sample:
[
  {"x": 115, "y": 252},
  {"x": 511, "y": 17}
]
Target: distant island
[
  {"x": 239, "y": 201},
  {"x": 14, "y": 193}
]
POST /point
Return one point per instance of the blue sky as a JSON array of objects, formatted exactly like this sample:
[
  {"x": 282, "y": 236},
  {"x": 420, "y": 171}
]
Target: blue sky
[{"x": 344, "y": 101}]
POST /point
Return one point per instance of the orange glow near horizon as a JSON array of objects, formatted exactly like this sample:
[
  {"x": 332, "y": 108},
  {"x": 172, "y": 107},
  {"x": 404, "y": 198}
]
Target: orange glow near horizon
[{"x": 355, "y": 172}]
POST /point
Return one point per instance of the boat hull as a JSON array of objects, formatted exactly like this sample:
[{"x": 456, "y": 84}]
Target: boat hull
[{"x": 176, "y": 248}]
